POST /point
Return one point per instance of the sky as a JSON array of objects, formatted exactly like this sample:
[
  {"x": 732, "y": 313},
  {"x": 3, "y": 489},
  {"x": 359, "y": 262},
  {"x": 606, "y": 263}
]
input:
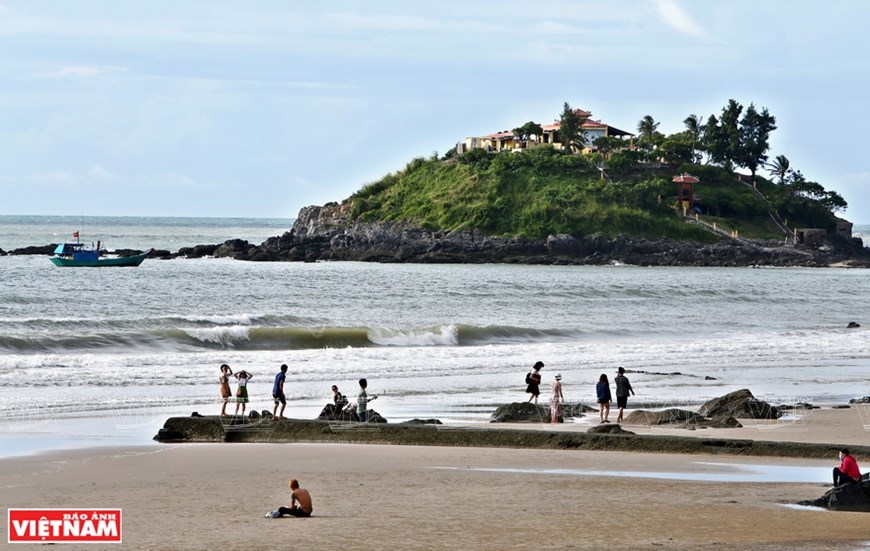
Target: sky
[{"x": 259, "y": 108}]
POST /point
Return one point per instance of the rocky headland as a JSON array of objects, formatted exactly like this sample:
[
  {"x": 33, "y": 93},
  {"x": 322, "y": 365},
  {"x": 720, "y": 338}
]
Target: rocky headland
[{"x": 327, "y": 233}]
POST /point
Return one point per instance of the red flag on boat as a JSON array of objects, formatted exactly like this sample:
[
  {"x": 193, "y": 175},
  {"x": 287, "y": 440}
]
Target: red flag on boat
[{"x": 76, "y": 234}]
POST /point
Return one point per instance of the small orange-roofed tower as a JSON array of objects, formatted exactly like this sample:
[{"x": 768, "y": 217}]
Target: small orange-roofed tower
[{"x": 686, "y": 191}]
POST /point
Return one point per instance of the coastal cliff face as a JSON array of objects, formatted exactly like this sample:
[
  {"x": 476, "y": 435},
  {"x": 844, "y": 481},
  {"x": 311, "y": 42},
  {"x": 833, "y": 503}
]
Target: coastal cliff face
[{"x": 326, "y": 233}]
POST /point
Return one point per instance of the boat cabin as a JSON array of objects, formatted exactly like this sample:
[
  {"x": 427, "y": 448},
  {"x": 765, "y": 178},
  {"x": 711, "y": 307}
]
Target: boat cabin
[{"x": 76, "y": 251}]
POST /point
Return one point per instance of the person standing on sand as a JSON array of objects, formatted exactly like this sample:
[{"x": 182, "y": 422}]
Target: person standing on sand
[
  {"x": 362, "y": 400},
  {"x": 242, "y": 390},
  {"x": 623, "y": 388},
  {"x": 225, "y": 387},
  {"x": 533, "y": 380},
  {"x": 556, "y": 400},
  {"x": 604, "y": 398},
  {"x": 300, "y": 503},
  {"x": 848, "y": 470},
  {"x": 278, "y": 392}
]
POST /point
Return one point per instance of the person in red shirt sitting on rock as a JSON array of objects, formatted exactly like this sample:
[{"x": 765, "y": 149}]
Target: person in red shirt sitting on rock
[{"x": 848, "y": 469}]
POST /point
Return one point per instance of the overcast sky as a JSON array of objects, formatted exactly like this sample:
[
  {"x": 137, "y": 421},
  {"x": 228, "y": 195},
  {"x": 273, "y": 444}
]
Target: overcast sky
[{"x": 258, "y": 108}]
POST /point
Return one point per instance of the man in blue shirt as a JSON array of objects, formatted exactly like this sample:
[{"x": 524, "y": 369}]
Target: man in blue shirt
[{"x": 278, "y": 392}]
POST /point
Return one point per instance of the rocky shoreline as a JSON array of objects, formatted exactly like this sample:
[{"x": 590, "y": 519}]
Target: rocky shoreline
[{"x": 326, "y": 233}]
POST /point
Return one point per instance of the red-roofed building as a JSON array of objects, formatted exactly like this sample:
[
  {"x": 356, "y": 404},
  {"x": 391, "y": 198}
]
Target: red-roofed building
[{"x": 507, "y": 141}]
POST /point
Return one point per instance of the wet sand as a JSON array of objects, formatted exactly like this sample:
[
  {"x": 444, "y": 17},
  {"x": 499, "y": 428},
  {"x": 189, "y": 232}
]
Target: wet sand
[{"x": 214, "y": 496}]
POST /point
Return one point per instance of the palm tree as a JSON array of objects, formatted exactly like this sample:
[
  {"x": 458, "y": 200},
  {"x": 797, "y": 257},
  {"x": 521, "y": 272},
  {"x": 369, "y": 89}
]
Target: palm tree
[
  {"x": 647, "y": 128},
  {"x": 694, "y": 127},
  {"x": 780, "y": 167},
  {"x": 571, "y": 129}
]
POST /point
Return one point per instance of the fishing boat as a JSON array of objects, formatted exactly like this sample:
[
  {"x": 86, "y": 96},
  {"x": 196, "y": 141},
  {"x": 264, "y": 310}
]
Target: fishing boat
[{"x": 78, "y": 254}]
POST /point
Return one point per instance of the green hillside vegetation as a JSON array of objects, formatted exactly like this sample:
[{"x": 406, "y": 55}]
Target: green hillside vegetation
[{"x": 541, "y": 191}]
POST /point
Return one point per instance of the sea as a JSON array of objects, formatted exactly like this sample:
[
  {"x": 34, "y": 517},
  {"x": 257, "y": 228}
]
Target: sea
[{"x": 102, "y": 356}]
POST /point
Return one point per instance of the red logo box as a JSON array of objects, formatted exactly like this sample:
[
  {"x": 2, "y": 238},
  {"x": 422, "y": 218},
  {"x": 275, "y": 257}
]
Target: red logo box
[{"x": 64, "y": 526}]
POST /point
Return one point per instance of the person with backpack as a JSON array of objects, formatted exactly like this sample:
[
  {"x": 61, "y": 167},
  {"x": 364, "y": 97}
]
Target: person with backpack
[{"x": 533, "y": 382}]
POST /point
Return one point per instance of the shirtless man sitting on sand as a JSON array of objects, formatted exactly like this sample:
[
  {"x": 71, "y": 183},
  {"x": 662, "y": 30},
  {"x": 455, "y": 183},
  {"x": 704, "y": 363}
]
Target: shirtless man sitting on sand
[{"x": 300, "y": 503}]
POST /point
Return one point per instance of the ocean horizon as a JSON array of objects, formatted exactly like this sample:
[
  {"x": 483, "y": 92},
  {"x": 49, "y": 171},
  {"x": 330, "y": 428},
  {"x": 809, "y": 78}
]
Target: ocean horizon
[{"x": 136, "y": 232}]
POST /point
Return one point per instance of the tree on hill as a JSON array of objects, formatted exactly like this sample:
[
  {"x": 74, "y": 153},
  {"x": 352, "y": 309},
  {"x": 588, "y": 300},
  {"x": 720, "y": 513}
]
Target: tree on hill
[
  {"x": 813, "y": 192},
  {"x": 571, "y": 129},
  {"x": 694, "y": 129},
  {"x": 607, "y": 145},
  {"x": 741, "y": 141},
  {"x": 755, "y": 129},
  {"x": 722, "y": 136},
  {"x": 524, "y": 132},
  {"x": 647, "y": 130},
  {"x": 676, "y": 149},
  {"x": 780, "y": 167}
]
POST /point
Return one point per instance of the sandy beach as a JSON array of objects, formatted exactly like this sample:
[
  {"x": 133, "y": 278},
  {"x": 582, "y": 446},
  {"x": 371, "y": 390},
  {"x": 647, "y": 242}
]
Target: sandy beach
[{"x": 214, "y": 496}]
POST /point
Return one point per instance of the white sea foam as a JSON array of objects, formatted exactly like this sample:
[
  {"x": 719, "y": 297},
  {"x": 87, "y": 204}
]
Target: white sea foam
[
  {"x": 237, "y": 319},
  {"x": 445, "y": 335},
  {"x": 225, "y": 335}
]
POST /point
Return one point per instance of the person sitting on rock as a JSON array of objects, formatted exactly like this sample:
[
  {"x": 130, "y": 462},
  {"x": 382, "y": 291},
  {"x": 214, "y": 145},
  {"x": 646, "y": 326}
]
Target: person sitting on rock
[
  {"x": 339, "y": 403},
  {"x": 848, "y": 470}
]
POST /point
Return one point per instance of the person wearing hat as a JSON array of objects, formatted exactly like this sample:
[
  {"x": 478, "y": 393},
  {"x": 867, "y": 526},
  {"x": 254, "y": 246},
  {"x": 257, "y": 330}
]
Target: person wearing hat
[
  {"x": 556, "y": 400},
  {"x": 623, "y": 388}
]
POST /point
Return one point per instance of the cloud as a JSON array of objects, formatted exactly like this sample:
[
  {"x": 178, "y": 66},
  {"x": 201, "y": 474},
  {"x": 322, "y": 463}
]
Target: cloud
[
  {"x": 75, "y": 71},
  {"x": 552, "y": 28},
  {"x": 857, "y": 177},
  {"x": 675, "y": 17},
  {"x": 99, "y": 174},
  {"x": 54, "y": 177}
]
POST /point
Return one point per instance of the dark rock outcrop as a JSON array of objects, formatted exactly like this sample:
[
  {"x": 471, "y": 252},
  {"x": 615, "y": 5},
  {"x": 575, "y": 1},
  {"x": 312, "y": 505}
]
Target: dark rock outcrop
[
  {"x": 520, "y": 412},
  {"x": 327, "y": 233},
  {"x": 41, "y": 249},
  {"x": 671, "y": 416},
  {"x": 680, "y": 417},
  {"x": 197, "y": 251},
  {"x": 608, "y": 428},
  {"x": 128, "y": 252},
  {"x": 422, "y": 422},
  {"x": 242, "y": 429},
  {"x": 741, "y": 404},
  {"x": 526, "y": 412},
  {"x": 846, "y": 497},
  {"x": 234, "y": 248}
]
